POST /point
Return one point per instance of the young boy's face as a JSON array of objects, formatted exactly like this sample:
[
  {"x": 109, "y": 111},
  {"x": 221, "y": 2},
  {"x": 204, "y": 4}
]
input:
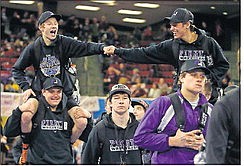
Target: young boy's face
[
  {"x": 49, "y": 28},
  {"x": 139, "y": 112},
  {"x": 120, "y": 103},
  {"x": 193, "y": 81}
]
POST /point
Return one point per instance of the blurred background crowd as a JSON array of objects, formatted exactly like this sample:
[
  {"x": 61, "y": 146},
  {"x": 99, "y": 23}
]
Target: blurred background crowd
[{"x": 18, "y": 29}]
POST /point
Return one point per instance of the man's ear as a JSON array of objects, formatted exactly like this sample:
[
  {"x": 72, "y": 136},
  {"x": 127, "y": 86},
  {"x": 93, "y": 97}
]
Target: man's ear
[
  {"x": 180, "y": 78},
  {"x": 40, "y": 27},
  {"x": 188, "y": 24}
]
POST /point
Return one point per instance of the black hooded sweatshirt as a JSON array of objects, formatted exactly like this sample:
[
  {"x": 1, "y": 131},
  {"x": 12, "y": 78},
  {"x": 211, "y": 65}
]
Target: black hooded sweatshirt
[
  {"x": 166, "y": 53},
  {"x": 51, "y": 133},
  {"x": 106, "y": 143},
  {"x": 51, "y": 61}
]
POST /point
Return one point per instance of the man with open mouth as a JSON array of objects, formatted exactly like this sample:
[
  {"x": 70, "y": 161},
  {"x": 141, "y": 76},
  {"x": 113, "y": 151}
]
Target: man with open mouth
[{"x": 50, "y": 55}]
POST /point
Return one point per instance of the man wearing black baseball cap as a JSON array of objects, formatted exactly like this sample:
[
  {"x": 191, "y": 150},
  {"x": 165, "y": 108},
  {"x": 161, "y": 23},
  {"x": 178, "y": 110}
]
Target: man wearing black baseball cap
[
  {"x": 50, "y": 56},
  {"x": 52, "y": 128},
  {"x": 189, "y": 42},
  {"x": 181, "y": 15},
  {"x": 104, "y": 143},
  {"x": 46, "y": 15}
]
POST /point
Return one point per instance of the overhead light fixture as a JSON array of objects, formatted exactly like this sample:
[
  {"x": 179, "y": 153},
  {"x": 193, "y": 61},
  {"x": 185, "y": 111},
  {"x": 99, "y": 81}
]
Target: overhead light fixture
[
  {"x": 97, "y": 1},
  {"x": 90, "y": 8},
  {"x": 109, "y": 3},
  {"x": 134, "y": 20},
  {"x": 225, "y": 13},
  {"x": 147, "y": 5},
  {"x": 23, "y": 2},
  {"x": 130, "y": 12},
  {"x": 212, "y": 7}
]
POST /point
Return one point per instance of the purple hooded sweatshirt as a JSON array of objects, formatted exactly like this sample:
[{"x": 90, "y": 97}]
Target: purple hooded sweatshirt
[{"x": 159, "y": 123}]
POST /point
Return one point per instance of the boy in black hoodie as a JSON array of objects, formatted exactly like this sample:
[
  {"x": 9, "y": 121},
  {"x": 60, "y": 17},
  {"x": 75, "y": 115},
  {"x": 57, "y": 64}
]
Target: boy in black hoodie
[{"x": 111, "y": 140}]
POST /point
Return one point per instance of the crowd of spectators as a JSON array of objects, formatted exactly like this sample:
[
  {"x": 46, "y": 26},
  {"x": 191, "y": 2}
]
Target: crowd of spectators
[
  {"x": 144, "y": 80},
  {"x": 18, "y": 28}
]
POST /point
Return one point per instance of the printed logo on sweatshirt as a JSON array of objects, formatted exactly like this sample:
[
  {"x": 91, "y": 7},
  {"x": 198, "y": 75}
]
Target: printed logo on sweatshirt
[
  {"x": 118, "y": 145},
  {"x": 50, "y": 66},
  {"x": 53, "y": 125},
  {"x": 195, "y": 54}
]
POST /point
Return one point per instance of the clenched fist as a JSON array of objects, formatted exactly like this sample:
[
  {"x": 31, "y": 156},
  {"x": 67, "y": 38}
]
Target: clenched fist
[{"x": 109, "y": 50}]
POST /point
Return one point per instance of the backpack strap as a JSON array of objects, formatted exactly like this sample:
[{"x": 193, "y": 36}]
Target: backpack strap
[
  {"x": 178, "y": 109},
  {"x": 175, "y": 49},
  {"x": 37, "y": 52},
  {"x": 101, "y": 136},
  {"x": 205, "y": 44},
  {"x": 180, "y": 115},
  {"x": 204, "y": 116}
]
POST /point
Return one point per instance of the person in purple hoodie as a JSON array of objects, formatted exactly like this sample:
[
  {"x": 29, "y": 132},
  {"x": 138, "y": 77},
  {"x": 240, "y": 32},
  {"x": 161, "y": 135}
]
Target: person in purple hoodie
[{"x": 158, "y": 130}]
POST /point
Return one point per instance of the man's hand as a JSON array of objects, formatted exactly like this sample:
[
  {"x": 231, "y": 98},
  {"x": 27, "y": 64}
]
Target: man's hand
[
  {"x": 77, "y": 112},
  {"x": 27, "y": 93},
  {"x": 192, "y": 139},
  {"x": 109, "y": 50}
]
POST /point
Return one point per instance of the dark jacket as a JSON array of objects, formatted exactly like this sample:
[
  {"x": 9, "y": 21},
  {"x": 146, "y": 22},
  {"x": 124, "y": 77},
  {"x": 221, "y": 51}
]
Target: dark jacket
[
  {"x": 163, "y": 53},
  {"x": 223, "y": 136},
  {"x": 51, "y": 61},
  {"x": 111, "y": 149},
  {"x": 51, "y": 134}
]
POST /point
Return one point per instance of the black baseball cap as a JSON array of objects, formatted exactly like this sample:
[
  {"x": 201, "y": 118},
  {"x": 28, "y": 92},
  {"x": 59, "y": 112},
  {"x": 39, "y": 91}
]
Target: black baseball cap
[
  {"x": 181, "y": 15},
  {"x": 194, "y": 64},
  {"x": 119, "y": 88},
  {"x": 143, "y": 103},
  {"x": 46, "y": 15},
  {"x": 52, "y": 82}
]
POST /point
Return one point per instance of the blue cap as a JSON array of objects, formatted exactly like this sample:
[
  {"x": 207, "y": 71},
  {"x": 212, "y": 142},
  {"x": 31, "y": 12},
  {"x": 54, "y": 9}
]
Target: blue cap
[
  {"x": 46, "y": 15},
  {"x": 194, "y": 64},
  {"x": 181, "y": 15},
  {"x": 52, "y": 82}
]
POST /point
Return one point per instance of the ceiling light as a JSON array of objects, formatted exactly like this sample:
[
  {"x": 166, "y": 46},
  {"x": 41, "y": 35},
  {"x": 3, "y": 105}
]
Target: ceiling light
[
  {"x": 131, "y": 12},
  {"x": 23, "y": 2},
  {"x": 147, "y": 5},
  {"x": 212, "y": 7},
  {"x": 90, "y": 8},
  {"x": 134, "y": 20},
  {"x": 97, "y": 1},
  {"x": 225, "y": 13},
  {"x": 110, "y": 3}
]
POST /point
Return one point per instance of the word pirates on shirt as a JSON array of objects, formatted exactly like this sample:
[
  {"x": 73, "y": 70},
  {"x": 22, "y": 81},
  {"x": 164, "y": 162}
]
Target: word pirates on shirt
[
  {"x": 195, "y": 54},
  {"x": 53, "y": 125},
  {"x": 118, "y": 145}
]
